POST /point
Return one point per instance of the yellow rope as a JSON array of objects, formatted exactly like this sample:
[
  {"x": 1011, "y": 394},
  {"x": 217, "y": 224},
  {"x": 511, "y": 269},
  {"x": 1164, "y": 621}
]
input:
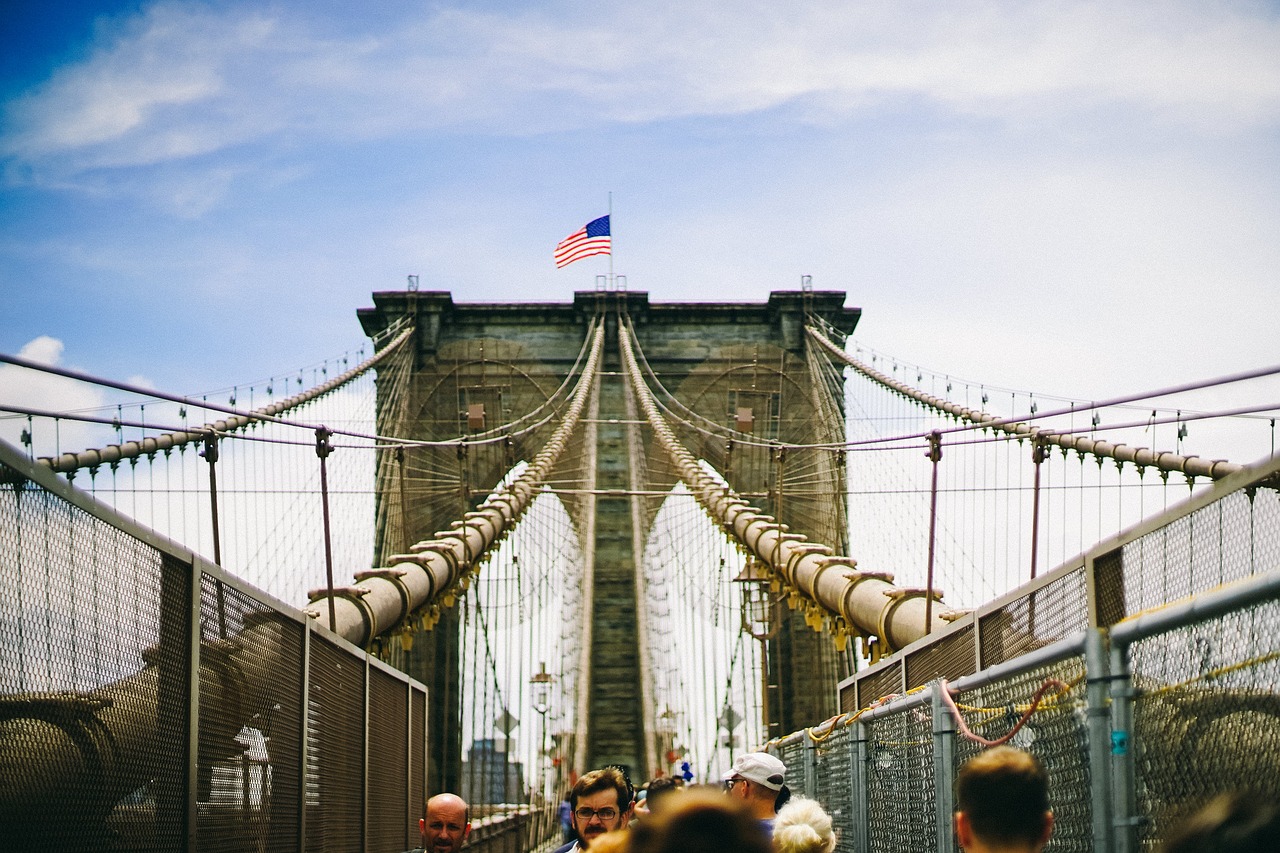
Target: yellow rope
[
  {"x": 1213, "y": 673},
  {"x": 831, "y": 727},
  {"x": 1166, "y": 605},
  {"x": 1049, "y": 701},
  {"x": 883, "y": 699}
]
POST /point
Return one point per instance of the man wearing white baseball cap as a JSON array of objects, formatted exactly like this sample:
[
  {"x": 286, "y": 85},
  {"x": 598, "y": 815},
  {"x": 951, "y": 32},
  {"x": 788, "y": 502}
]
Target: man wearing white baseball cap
[{"x": 759, "y": 780}]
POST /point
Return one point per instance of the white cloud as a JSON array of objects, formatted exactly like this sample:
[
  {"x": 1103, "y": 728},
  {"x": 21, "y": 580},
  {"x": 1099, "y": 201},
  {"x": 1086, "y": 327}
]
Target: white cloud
[
  {"x": 33, "y": 389},
  {"x": 43, "y": 350},
  {"x": 181, "y": 81}
]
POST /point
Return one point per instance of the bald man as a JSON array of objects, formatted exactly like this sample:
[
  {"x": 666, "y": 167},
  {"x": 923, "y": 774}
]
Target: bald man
[{"x": 446, "y": 825}]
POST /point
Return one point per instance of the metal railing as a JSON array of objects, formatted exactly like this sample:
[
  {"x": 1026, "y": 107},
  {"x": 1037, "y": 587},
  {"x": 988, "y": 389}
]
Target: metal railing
[
  {"x": 151, "y": 701},
  {"x": 1145, "y": 675}
]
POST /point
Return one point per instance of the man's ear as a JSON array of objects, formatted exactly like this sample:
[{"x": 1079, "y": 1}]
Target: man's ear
[
  {"x": 422, "y": 826},
  {"x": 964, "y": 832},
  {"x": 466, "y": 831},
  {"x": 1048, "y": 828}
]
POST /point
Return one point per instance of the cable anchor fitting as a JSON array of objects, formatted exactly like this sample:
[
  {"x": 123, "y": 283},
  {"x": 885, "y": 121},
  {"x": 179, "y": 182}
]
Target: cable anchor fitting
[{"x": 323, "y": 447}]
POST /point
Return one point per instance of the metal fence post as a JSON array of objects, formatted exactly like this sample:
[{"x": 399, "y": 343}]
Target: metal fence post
[
  {"x": 193, "y": 574},
  {"x": 364, "y": 746},
  {"x": 1123, "y": 794},
  {"x": 944, "y": 763},
  {"x": 305, "y": 720},
  {"x": 810, "y": 766},
  {"x": 858, "y": 788},
  {"x": 1097, "y": 710},
  {"x": 408, "y": 762}
]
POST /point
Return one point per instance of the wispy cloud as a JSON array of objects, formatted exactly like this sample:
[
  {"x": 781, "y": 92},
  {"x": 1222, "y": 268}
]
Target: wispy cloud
[
  {"x": 183, "y": 82},
  {"x": 34, "y": 389}
]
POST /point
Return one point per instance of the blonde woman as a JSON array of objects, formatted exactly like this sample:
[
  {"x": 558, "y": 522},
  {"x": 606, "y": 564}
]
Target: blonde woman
[{"x": 802, "y": 826}]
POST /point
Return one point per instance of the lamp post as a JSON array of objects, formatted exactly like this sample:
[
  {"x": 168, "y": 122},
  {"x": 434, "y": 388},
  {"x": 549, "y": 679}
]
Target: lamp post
[
  {"x": 760, "y": 619},
  {"x": 541, "y": 689}
]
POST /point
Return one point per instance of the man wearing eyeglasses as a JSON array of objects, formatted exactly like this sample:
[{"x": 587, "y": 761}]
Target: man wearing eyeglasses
[
  {"x": 602, "y": 801},
  {"x": 758, "y": 779}
]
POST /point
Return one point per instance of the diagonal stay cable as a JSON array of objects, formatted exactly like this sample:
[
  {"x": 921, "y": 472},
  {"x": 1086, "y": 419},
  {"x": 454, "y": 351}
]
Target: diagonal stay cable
[
  {"x": 1017, "y": 426},
  {"x": 114, "y": 453}
]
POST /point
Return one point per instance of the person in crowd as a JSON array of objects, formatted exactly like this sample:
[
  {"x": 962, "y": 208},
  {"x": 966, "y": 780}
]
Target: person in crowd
[
  {"x": 803, "y": 826},
  {"x": 758, "y": 779},
  {"x": 445, "y": 824},
  {"x": 1002, "y": 803},
  {"x": 601, "y": 801},
  {"x": 657, "y": 795},
  {"x": 701, "y": 820},
  {"x": 565, "y": 814},
  {"x": 1236, "y": 822}
]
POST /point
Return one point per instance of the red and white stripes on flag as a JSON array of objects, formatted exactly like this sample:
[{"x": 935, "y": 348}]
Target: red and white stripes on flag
[{"x": 590, "y": 239}]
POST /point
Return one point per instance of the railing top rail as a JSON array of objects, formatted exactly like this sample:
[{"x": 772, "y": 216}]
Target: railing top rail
[
  {"x": 1198, "y": 608},
  {"x": 1052, "y": 653}
]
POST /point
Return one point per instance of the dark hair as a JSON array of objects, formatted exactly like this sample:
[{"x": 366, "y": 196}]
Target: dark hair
[
  {"x": 702, "y": 820},
  {"x": 1238, "y": 822},
  {"x": 784, "y": 794},
  {"x": 626, "y": 777},
  {"x": 661, "y": 787},
  {"x": 1004, "y": 792},
  {"x": 606, "y": 778}
]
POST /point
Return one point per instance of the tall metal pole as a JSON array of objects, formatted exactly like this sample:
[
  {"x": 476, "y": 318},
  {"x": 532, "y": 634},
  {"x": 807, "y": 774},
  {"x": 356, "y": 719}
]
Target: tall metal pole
[
  {"x": 211, "y": 456},
  {"x": 935, "y": 456},
  {"x": 323, "y": 449},
  {"x": 1037, "y": 457},
  {"x": 404, "y": 505}
]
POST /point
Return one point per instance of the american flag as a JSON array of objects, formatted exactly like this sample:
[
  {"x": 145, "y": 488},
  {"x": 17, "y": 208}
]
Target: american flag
[{"x": 590, "y": 239}]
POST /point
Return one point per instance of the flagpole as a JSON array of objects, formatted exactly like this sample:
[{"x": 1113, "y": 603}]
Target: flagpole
[{"x": 611, "y": 281}]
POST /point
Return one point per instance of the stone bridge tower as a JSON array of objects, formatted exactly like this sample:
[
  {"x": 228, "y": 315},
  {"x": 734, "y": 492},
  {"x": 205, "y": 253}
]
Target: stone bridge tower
[{"x": 740, "y": 365}]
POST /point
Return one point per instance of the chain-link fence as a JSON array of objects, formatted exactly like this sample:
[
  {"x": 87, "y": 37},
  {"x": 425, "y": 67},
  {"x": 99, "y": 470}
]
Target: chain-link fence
[
  {"x": 1144, "y": 675},
  {"x": 150, "y": 701}
]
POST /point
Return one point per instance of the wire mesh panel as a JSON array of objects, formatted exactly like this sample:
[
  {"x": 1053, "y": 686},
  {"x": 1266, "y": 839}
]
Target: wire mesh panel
[
  {"x": 952, "y": 658},
  {"x": 1207, "y": 715},
  {"x": 335, "y": 750},
  {"x": 249, "y": 761},
  {"x": 1055, "y": 733},
  {"x": 1229, "y": 539},
  {"x": 792, "y": 755},
  {"x": 834, "y": 757},
  {"x": 94, "y": 680},
  {"x": 389, "y": 816},
  {"x": 96, "y": 702},
  {"x": 417, "y": 756},
  {"x": 1049, "y": 613},
  {"x": 879, "y": 684},
  {"x": 901, "y": 800}
]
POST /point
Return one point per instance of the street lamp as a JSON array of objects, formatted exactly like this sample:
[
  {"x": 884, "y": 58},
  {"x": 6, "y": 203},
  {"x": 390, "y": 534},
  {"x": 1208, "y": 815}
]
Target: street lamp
[
  {"x": 541, "y": 689},
  {"x": 541, "y": 683},
  {"x": 759, "y": 607},
  {"x": 761, "y": 618}
]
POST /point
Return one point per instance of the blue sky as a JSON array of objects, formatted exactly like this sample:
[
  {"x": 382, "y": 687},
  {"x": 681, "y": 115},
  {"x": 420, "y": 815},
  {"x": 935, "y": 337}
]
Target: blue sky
[{"x": 1070, "y": 198}]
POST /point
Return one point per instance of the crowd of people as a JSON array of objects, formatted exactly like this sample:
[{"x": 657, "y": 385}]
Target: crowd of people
[{"x": 1002, "y": 806}]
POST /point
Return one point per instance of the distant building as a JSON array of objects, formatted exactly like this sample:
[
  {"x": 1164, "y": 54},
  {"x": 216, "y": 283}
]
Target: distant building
[{"x": 487, "y": 776}]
